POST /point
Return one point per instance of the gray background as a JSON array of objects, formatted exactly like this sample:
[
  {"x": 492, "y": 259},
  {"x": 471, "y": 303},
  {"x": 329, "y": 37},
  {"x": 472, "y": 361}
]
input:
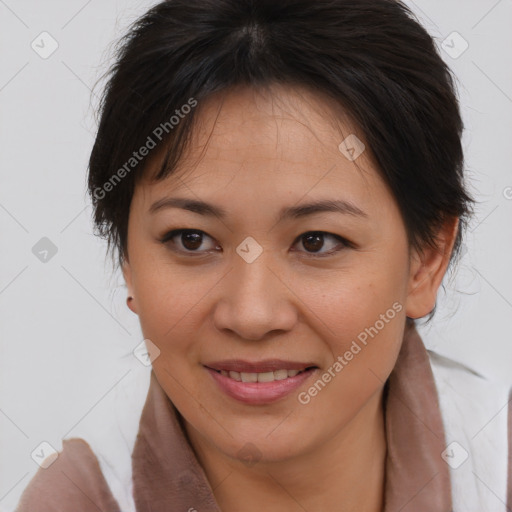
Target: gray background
[{"x": 66, "y": 335}]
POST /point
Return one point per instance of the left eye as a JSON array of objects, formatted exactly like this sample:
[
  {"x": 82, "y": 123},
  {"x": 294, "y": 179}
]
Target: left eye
[
  {"x": 313, "y": 242},
  {"x": 190, "y": 240}
]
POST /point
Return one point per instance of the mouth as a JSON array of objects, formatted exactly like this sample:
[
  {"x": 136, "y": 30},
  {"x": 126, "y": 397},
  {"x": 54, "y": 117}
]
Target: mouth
[
  {"x": 272, "y": 376},
  {"x": 258, "y": 383}
]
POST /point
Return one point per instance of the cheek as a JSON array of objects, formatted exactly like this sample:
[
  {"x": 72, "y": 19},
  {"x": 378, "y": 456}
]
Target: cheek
[
  {"x": 361, "y": 319},
  {"x": 363, "y": 334},
  {"x": 344, "y": 303},
  {"x": 170, "y": 305},
  {"x": 171, "y": 312}
]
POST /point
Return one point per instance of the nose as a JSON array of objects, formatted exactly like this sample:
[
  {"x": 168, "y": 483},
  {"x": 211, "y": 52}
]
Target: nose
[{"x": 254, "y": 301}]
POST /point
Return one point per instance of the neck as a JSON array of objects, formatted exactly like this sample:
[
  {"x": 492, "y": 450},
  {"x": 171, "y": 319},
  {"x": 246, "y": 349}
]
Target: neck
[{"x": 345, "y": 473}]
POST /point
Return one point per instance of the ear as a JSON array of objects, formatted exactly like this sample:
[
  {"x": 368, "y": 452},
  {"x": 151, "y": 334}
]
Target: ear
[
  {"x": 427, "y": 269},
  {"x": 127, "y": 274}
]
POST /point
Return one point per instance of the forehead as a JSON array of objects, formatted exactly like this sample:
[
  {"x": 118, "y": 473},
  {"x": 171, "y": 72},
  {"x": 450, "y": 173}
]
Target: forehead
[{"x": 285, "y": 142}]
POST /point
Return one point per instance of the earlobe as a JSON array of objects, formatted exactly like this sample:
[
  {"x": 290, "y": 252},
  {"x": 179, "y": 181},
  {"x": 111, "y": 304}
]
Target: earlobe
[
  {"x": 427, "y": 270},
  {"x": 127, "y": 274}
]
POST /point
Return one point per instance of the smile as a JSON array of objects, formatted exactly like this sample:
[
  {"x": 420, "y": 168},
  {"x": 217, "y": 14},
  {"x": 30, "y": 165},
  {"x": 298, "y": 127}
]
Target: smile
[
  {"x": 259, "y": 383},
  {"x": 260, "y": 377}
]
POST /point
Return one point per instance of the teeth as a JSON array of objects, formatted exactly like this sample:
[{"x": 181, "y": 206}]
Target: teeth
[
  {"x": 280, "y": 374},
  {"x": 260, "y": 377},
  {"x": 249, "y": 377},
  {"x": 266, "y": 377}
]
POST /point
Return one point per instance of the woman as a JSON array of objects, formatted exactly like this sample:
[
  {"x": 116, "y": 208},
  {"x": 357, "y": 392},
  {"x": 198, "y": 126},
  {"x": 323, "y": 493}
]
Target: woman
[{"x": 282, "y": 183}]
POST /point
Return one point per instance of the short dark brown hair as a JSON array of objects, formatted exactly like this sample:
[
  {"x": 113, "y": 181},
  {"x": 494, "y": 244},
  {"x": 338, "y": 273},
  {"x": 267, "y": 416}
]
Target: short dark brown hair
[{"x": 373, "y": 57}]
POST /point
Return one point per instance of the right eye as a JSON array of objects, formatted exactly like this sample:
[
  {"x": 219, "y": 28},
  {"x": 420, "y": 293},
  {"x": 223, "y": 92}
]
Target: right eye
[{"x": 187, "y": 241}]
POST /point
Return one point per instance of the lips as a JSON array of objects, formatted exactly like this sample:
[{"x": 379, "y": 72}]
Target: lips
[{"x": 260, "y": 382}]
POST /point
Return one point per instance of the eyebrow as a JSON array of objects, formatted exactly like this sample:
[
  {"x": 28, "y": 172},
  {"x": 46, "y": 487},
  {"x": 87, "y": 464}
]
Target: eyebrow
[{"x": 290, "y": 212}]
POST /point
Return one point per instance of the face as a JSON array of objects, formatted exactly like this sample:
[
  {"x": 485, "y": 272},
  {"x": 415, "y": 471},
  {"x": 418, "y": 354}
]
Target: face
[{"x": 304, "y": 305}]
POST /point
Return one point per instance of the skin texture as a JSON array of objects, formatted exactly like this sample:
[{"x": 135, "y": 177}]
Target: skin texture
[{"x": 253, "y": 154}]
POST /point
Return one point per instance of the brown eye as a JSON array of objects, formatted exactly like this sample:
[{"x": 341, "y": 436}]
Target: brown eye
[
  {"x": 187, "y": 240},
  {"x": 191, "y": 241},
  {"x": 314, "y": 241}
]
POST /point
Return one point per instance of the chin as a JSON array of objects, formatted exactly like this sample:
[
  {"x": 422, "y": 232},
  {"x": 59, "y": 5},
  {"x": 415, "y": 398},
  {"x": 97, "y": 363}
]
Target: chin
[{"x": 262, "y": 447}]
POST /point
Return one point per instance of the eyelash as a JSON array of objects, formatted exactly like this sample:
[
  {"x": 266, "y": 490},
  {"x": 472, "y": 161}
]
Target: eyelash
[{"x": 167, "y": 238}]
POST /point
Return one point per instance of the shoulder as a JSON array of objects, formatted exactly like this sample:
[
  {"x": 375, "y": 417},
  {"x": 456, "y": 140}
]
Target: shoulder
[
  {"x": 73, "y": 477},
  {"x": 93, "y": 471}
]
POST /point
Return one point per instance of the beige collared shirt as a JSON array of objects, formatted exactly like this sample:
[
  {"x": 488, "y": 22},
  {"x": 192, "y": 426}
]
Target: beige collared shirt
[{"x": 167, "y": 476}]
